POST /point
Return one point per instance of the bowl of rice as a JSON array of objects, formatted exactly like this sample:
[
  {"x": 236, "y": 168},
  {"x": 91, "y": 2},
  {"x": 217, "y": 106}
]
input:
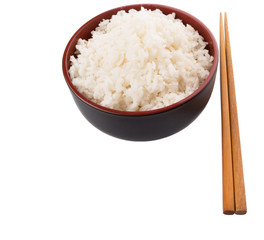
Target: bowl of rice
[{"x": 141, "y": 72}]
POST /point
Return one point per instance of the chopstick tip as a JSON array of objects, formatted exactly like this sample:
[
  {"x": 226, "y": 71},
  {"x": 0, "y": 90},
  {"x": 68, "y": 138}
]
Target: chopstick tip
[
  {"x": 241, "y": 212},
  {"x": 228, "y": 212}
]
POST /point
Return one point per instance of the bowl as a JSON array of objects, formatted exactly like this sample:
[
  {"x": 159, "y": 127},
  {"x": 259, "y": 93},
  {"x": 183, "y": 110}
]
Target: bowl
[{"x": 144, "y": 125}]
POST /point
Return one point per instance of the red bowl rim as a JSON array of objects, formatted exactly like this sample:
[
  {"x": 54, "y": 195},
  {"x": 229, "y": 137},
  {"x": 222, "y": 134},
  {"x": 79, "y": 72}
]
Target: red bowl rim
[{"x": 148, "y": 112}]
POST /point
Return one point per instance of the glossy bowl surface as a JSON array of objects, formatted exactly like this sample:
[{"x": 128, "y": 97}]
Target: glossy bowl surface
[{"x": 144, "y": 125}]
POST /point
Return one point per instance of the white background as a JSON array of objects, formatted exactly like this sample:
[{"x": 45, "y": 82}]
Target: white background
[{"x": 61, "y": 178}]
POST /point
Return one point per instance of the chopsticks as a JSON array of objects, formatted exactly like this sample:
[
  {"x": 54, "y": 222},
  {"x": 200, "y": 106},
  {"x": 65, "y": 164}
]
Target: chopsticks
[{"x": 234, "y": 197}]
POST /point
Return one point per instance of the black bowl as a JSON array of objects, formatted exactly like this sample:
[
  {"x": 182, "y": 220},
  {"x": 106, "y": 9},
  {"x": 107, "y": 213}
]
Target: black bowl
[{"x": 144, "y": 125}]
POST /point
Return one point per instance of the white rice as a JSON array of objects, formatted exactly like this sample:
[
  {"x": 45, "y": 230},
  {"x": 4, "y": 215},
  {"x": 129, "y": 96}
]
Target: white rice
[{"x": 140, "y": 60}]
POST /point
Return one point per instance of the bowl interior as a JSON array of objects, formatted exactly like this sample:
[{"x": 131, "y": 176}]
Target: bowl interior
[{"x": 85, "y": 33}]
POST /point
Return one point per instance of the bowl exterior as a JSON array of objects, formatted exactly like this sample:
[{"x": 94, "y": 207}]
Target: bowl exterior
[{"x": 147, "y": 127}]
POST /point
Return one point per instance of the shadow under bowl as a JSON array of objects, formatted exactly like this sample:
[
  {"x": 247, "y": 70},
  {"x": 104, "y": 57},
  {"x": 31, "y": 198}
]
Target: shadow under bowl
[{"x": 144, "y": 125}]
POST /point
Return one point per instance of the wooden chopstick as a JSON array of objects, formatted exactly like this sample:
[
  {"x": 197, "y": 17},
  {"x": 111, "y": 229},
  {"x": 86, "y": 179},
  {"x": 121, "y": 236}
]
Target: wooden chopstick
[
  {"x": 239, "y": 186},
  {"x": 234, "y": 197},
  {"x": 227, "y": 168}
]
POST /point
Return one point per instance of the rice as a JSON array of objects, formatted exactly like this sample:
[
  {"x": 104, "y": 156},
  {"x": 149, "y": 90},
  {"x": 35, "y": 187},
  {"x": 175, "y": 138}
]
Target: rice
[{"x": 140, "y": 60}]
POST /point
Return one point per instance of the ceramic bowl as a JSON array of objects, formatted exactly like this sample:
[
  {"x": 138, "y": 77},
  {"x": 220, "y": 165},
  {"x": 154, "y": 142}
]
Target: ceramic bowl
[{"x": 144, "y": 125}]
